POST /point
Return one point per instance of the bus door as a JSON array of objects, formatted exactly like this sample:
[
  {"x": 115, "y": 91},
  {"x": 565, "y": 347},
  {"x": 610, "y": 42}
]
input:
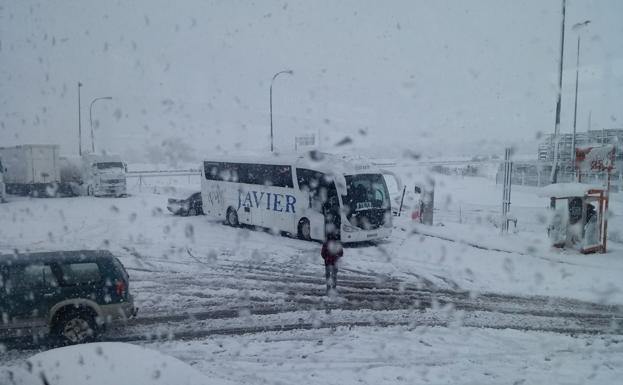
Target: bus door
[
  {"x": 247, "y": 213},
  {"x": 281, "y": 209},
  {"x": 314, "y": 192},
  {"x": 331, "y": 211}
]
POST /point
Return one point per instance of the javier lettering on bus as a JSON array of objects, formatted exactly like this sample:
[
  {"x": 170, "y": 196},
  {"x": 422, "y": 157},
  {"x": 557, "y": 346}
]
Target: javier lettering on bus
[{"x": 271, "y": 201}]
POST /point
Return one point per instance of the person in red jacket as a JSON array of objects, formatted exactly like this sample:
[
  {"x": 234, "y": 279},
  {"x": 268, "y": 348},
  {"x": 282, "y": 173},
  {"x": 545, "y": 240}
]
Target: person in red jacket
[{"x": 331, "y": 251}]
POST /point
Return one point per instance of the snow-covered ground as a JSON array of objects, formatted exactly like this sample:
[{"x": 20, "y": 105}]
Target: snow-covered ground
[
  {"x": 195, "y": 278},
  {"x": 398, "y": 355},
  {"x": 449, "y": 255},
  {"x": 390, "y": 355}
]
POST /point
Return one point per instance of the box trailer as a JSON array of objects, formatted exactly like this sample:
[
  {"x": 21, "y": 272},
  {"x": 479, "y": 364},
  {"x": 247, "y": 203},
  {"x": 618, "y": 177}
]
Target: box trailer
[{"x": 31, "y": 169}]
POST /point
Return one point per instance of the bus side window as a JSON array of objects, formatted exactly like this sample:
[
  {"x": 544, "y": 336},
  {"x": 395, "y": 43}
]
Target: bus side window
[
  {"x": 212, "y": 170},
  {"x": 282, "y": 176},
  {"x": 302, "y": 178}
]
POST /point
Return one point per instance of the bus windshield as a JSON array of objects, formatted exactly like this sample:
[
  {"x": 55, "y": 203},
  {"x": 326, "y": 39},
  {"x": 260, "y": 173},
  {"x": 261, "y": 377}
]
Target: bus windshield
[{"x": 365, "y": 192}]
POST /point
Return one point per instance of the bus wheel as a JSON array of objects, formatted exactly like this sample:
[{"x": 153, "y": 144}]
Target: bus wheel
[
  {"x": 232, "y": 217},
  {"x": 304, "y": 229}
]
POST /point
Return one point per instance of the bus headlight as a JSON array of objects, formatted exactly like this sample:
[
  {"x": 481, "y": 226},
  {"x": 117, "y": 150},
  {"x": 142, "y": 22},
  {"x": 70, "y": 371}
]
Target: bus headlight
[{"x": 349, "y": 229}]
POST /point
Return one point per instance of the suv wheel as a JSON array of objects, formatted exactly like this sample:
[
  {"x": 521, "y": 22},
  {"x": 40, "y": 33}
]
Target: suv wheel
[{"x": 75, "y": 327}]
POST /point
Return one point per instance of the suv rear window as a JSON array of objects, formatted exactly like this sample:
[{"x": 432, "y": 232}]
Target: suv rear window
[
  {"x": 26, "y": 276},
  {"x": 80, "y": 273}
]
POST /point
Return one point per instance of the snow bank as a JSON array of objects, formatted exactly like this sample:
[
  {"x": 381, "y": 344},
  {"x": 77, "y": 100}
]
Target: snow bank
[{"x": 105, "y": 364}]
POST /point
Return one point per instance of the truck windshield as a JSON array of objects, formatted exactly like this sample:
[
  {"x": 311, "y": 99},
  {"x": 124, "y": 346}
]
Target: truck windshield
[{"x": 107, "y": 165}]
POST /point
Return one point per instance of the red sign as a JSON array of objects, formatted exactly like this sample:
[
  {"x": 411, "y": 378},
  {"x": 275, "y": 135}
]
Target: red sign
[{"x": 595, "y": 158}]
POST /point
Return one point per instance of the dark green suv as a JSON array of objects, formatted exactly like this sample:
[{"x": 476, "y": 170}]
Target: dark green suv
[{"x": 71, "y": 295}]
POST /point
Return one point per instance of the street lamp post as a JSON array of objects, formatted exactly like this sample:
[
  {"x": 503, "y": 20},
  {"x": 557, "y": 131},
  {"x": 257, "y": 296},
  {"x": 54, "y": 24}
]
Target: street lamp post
[
  {"x": 79, "y": 123},
  {"x": 289, "y": 72},
  {"x": 576, "y": 27},
  {"x": 91, "y": 119}
]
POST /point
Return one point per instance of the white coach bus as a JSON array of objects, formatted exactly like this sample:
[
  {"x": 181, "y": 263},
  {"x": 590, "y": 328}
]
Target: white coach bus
[{"x": 346, "y": 198}]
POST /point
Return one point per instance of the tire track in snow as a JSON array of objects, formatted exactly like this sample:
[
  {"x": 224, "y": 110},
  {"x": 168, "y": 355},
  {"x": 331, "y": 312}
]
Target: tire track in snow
[
  {"x": 249, "y": 289},
  {"x": 384, "y": 291},
  {"x": 412, "y": 320}
]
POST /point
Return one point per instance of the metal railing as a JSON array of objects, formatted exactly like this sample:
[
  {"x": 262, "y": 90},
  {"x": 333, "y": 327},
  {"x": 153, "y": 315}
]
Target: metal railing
[
  {"x": 159, "y": 173},
  {"x": 152, "y": 175}
]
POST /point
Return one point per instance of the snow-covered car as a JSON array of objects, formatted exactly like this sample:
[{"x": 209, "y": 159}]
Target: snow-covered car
[
  {"x": 103, "y": 363},
  {"x": 190, "y": 206}
]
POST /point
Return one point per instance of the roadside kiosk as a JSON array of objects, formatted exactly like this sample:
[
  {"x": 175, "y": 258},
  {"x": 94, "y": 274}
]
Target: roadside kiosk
[{"x": 578, "y": 217}]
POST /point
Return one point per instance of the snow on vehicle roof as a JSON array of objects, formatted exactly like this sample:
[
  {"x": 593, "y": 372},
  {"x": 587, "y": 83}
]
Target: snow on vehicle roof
[
  {"x": 323, "y": 162},
  {"x": 563, "y": 190},
  {"x": 51, "y": 256}
]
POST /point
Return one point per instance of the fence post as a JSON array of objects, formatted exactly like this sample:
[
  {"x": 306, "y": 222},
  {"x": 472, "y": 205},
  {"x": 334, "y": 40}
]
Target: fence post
[{"x": 506, "y": 191}]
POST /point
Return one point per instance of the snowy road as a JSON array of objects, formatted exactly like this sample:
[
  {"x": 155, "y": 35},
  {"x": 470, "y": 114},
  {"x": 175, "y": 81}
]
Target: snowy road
[
  {"x": 234, "y": 299},
  {"x": 227, "y": 298}
]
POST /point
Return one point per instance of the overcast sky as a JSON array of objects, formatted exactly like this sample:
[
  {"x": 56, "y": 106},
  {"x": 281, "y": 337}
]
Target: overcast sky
[{"x": 433, "y": 76}]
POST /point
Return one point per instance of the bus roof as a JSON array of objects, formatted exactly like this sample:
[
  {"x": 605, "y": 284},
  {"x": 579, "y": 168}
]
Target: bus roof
[{"x": 322, "y": 162}]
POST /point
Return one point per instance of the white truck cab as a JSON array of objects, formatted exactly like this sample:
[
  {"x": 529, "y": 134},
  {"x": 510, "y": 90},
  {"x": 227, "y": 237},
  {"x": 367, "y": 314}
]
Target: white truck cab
[{"x": 104, "y": 175}]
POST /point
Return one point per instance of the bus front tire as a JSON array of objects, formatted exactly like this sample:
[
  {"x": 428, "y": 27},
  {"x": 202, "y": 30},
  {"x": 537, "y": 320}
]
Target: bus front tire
[
  {"x": 304, "y": 230},
  {"x": 232, "y": 217}
]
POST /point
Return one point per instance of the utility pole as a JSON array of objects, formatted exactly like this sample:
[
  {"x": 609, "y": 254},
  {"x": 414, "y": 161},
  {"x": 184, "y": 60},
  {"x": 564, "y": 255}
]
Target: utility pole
[
  {"x": 554, "y": 174},
  {"x": 576, "y": 27}
]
